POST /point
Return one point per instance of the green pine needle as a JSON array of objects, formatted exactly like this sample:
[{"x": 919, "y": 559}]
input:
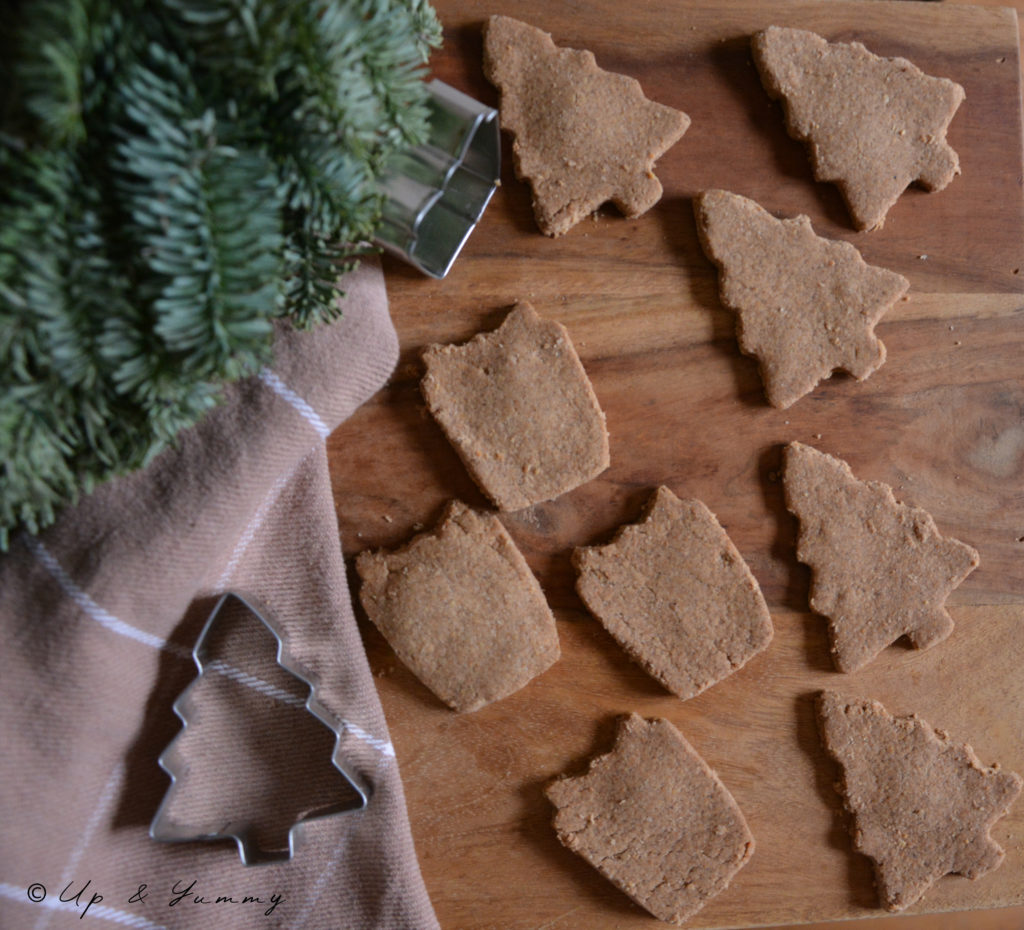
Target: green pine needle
[{"x": 177, "y": 173}]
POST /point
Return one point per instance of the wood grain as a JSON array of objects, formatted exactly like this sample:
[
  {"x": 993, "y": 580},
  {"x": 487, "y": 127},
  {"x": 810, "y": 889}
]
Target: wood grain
[{"x": 942, "y": 422}]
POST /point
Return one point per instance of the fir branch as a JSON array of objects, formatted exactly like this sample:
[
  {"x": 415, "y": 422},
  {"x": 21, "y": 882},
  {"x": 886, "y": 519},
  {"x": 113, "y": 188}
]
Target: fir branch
[
  {"x": 177, "y": 174},
  {"x": 205, "y": 226},
  {"x": 314, "y": 266},
  {"x": 51, "y": 72}
]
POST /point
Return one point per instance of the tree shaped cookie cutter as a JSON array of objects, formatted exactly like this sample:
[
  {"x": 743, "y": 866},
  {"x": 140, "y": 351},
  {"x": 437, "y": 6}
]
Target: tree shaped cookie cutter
[
  {"x": 436, "y": 193},
  {"x": 164, "y": 828}
]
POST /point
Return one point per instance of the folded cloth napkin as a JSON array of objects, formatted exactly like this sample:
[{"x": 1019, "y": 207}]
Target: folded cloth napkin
[{"x": 99, "y": 616}]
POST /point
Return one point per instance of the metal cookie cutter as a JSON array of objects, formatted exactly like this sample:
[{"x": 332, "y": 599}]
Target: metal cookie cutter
[
  {"x": 164, "y": 828},
  {"x": 437, "y": 192}
]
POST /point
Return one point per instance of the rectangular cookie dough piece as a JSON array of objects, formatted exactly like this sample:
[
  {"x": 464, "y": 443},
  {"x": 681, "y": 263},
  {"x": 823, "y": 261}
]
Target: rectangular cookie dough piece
[
  {"x": 519, "y": 409},
  {"x": 677, "y": 595},
  {"x": 461, "y": 608},
  {"x": 655, "y": 820}
]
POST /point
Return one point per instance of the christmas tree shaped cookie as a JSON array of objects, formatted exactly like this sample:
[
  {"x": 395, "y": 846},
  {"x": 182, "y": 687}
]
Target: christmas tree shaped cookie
[
  {"x": 806, "y": 306},
  {"x": 873, "y": 125},
  {"x": 582, "y": 136},
  {"x": 655, "y": 820},
  {"x": 675, "y": 593},
  {"x": 922, "y": 806},
  {"x": 880, "y": 568}
]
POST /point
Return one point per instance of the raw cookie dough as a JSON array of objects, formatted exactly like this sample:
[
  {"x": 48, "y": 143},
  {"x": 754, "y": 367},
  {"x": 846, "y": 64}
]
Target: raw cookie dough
[
  {"x": 873, "y": 125},
  {"x": 582, "y": 136},
  {"x": 922, "y": 805},
  {"x": 880, "y": 569},
  {"x": 676, "y": 594},
  {"x": 462, "y": 609},
  {"x": 805, "y": 306},
  {"x": 518, "y": 407},
  {"x": 654, "y": 819}
]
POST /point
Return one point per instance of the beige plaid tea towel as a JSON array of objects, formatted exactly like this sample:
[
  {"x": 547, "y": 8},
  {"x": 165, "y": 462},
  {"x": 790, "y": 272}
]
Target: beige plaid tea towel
[{"x": 99, "y": 617}]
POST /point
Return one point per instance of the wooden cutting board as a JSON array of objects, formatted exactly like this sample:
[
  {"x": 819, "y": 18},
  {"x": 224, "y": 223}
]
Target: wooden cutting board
[{"x": 942, "y": 422}]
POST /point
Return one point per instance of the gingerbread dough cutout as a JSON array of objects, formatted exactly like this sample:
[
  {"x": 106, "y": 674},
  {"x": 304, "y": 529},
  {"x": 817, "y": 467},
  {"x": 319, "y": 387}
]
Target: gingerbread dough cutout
[
  {"x": 677, "y": 595},
  {"x": 519, "y": 409},
  {"x": 880, "y": 569},
  {"x": 655, "y": 820},
  {"x": 582, "y": 136},
  {"x": 922, "y": 806},
  {"x": 461, "y": 608},
  {"x": 805, "y": 306},
  {"x": 872, "y": 125}
]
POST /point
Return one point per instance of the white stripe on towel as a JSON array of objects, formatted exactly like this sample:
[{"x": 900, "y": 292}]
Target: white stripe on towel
[{"x": 274, "y": 382}]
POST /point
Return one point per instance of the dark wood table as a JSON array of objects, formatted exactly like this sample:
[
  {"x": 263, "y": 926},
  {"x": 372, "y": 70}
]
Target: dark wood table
[{"x": 942, "y": 422}]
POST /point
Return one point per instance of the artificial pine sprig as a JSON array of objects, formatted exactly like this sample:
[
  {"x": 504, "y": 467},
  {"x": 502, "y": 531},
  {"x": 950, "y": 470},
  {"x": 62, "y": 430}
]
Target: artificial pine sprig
[{"x": 175, "y": 175}]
